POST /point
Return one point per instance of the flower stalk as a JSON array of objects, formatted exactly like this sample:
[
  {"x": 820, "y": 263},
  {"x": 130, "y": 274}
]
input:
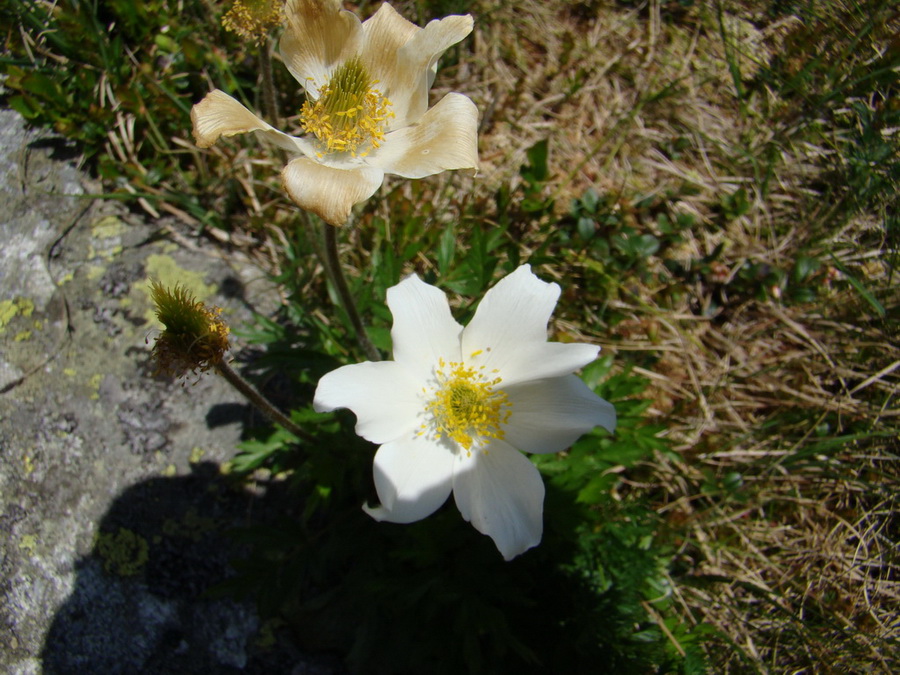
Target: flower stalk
[
  {"x": 270, "y": 103},
  {"x": 333, "y": 265},
  {"x": 262, "y": 404}
]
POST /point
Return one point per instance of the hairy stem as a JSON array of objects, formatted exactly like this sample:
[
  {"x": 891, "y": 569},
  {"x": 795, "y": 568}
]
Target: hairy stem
[
  {"x": 333, "y": 263},
  {"x": 270, "y": 104},
  {"x": 263, "y": 404}
]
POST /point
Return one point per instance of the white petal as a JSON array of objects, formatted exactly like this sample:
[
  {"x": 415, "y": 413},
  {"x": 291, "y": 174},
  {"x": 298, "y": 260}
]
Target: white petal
[
  {"x": 329, "y": 192},
  {"x": 218, "y": 114},
  {"x": 520, "y": 304},
  {"x": 406, "y": 82},
  {"x": 413, "y": 477},
  {"x": 509, "y": 332},
  {"x": 550, "y": 415},
  {"x": 446, "y": 137},
  {"x": 501, "y": 493},
  {"x": 424, "y": 331},
  {"x": 318, "y": 37},
  {"x": 381, "y": 395}
]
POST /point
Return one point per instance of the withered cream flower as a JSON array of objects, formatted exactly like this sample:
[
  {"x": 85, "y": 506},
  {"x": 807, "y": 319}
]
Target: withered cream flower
[
  {"x": 367, "y": 105},
  {"x": 456, "y": 405}
]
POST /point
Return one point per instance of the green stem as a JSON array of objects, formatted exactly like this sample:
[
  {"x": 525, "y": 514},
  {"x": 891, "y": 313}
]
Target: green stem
[
  {"x": 333, "y": 263},
  {"x": 252, "y": 394}
]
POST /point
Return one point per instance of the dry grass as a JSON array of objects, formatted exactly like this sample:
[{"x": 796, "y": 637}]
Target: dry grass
[{"x": 798, "y": 567}]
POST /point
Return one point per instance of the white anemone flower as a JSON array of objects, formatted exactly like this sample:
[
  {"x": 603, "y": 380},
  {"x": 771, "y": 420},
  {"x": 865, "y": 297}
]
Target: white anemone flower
[
  {"x": 456, "y": 406},
  {"x": 367, "y": 106}
]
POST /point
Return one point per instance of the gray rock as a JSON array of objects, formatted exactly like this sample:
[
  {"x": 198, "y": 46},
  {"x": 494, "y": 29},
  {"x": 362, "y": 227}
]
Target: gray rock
[{"x": 113, "y": 512}]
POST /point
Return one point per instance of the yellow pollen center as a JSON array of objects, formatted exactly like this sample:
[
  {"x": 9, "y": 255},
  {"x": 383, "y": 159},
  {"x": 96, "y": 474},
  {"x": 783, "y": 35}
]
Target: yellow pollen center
[
  {"x": 466, "y": 406},
  {"x": 349, "y": 112}
]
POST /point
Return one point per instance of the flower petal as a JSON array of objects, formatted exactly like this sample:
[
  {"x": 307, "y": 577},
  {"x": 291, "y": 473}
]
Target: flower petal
[
  {"x": 549, "y": 415},
  {"x": 327, "y": 191},
  {"x": 501, "y": 493},
  {"x": 318, "y": 37},
  {"x": 219, "y": 114},
  {"x": 509, "y": 332},
  {"x": 413, "y": 477},
  {"x": 383, "y": 397},
  {"x": 385, "y": 33},
  {"x": 519, "y": 304},
  {"x": 446, "y": 137},
  {"x": 424, "y": 331},
  {"x": 406, "y": 82}
]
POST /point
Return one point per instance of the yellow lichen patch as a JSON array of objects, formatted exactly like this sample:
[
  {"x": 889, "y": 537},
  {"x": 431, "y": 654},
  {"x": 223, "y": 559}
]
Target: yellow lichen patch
[
  {"x": 94, "y": 383},
  {"x": 28, "y": 543},
  {"x": 191, "y": 526},
  {"x": 70, "y": 372},
  {"x": 124, "y": 553},
  {"x": 28, "y": 462},
  {"x": 196, "y": 455},
  {"x": 95, "y": 272},
  {"x": 111, "y": 253},
  {"x": 266, "y": 637},
  {"x": 66, "y": 278},
  {"x": 170, "y": 471},
  {"x": 22, "y": 336},
  {"x": 107, "y": 228},
  {"x": 10, "y": 309}
]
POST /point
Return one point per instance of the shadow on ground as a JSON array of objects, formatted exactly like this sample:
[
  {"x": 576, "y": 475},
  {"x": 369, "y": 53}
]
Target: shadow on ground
[{"x": 140, "y": 601}]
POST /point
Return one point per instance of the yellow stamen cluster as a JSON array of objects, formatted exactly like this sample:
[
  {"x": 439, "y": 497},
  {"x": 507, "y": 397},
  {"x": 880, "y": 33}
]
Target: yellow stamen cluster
[
  {"x": 253, "y": 19},
  {"x": 466, "y": 406},
  {"x": 195, "y": 338},
  {"x": 349, "y": 113}
]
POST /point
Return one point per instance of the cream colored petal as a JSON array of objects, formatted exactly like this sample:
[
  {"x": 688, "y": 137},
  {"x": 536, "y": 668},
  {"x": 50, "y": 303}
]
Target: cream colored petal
[
  {"x": 318, "y": 37},
  {"x": 328, "y": 192},
  {"x": 406, "y": 83},
  {"x": 218, "y": 114},
  {"x": 385, "y": 33},
  {"x": 445, "y": 138}
]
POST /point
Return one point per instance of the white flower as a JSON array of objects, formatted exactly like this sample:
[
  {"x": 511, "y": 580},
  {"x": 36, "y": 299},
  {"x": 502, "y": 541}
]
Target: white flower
[
  {"x": 456, "y": 405},
  {"x": 367, "y": 105}
]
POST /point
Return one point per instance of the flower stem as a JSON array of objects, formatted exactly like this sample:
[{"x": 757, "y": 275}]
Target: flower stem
[
  {"x": 270, "y": 105},
  {"x": 333, "y": 263},
  {"x": 252, "y": 394}
]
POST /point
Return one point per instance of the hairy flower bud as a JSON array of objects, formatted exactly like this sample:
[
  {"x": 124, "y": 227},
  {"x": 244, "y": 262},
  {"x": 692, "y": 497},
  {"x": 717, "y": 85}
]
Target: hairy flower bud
[{"x": 195, "y": 339}]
